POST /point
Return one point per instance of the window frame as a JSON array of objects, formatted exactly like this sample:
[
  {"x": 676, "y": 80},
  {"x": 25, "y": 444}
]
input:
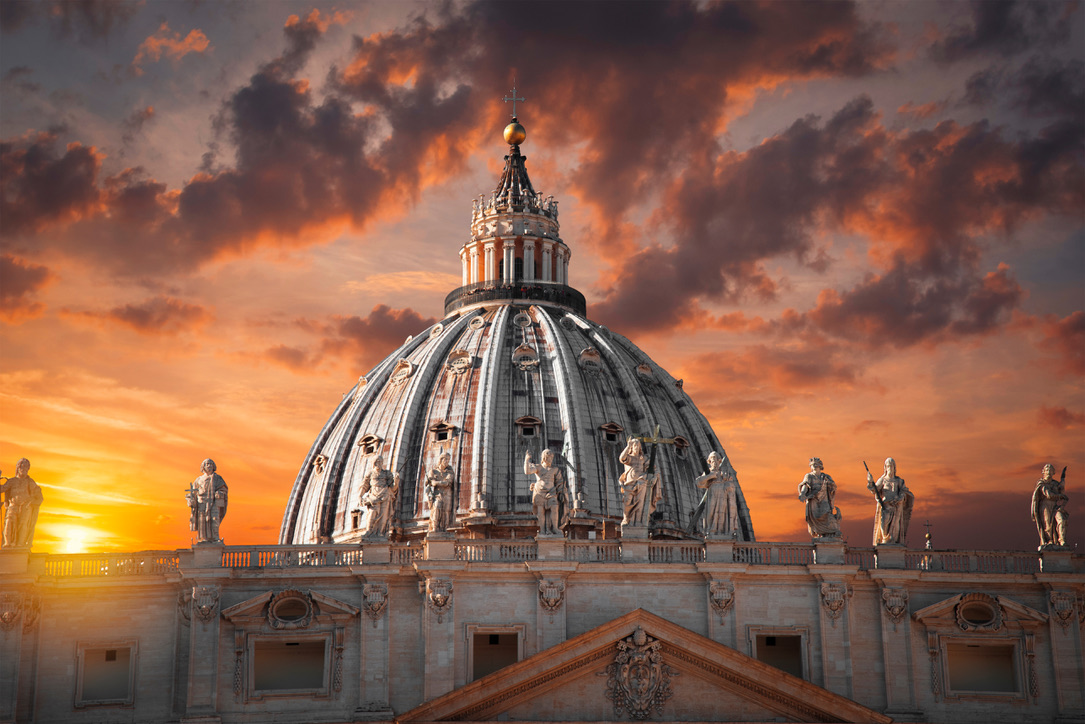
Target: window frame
[{"x": 81, "y": 649}]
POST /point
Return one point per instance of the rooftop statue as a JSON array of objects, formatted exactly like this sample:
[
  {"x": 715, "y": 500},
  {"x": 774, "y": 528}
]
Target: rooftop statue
[
  {"x": 893, "y": 508},
  {"x": 439, "y": 484},
  {"x": 1049, "y": 501},
  {"x": 720, "y": 502},
  {"x": 548, "y": 492},
  {"x": 640, "y": 484},
  {"x": 207, "y": 498},
  {"x": 818, "y": 491},
  {"x": 22, "y": 500},
  {"x": 378, "y": 497}
]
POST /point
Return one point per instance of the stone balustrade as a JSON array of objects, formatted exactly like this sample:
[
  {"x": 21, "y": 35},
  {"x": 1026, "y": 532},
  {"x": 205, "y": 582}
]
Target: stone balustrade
[{"x": 145, "y": 563}]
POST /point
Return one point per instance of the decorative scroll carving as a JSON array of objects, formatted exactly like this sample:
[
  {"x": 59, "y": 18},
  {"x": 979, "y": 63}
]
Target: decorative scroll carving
[
  {"x": 374, "y": 600},
  {"x": 184, "y": 604},
  {"x": 31, "y": 611},
  {"x": 835, "y": 597},
  {"x": 895, "y": 601},
  {"x": 1062, "y": 606},
  {"x": 591, "y": 361},
  {"x": 290, "y": 609},
  {"x": 551, "y": 596},
  {"x": 721, "y": 597},
  {"x": 319, "y": 462},
  {"x": 477, "y": 323},
  {"x": 525, "y": 357},
  {"x": 638, "y": 680},
  {"x": 1030, "y": 660},
  {"x": 11, "y": 605},
  {"x": 978, "y": 612},
  {"x": 239, "y": 662},
  {"x": 337, "y": 671},
  {"x": 205, "y": 602},
  {"x": 460, "y": 361},
  {"x": 936, "y": 674},
  {"x": 402, "y": 371},
  {"x": 436, "y": 330},
  {"x": 439, "y": 596}
]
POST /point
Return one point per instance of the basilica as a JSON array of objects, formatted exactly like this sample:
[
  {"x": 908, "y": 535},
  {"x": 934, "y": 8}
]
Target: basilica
[{"x": 519, "y": 516}]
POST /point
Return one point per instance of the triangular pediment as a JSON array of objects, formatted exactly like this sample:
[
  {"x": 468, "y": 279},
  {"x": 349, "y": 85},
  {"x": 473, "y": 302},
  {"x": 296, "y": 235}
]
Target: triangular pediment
[
  {"x": 979, "y": 611},
  {"x": 305, "y": 606},
  {"x": 649, "y": 668}
]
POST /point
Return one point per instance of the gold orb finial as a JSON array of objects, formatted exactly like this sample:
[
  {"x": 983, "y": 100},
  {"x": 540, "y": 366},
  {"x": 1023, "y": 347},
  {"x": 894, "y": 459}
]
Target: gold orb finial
[{"x": 515, "y": 133}]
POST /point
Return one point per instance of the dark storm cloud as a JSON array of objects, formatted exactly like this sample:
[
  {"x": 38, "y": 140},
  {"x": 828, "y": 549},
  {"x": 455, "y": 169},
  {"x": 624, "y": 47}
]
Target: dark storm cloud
[
  {"x": 367, "y": 340},
  {"x": 1002, "y": 28},
  {"x": 1051, "y": 87},
  {"x": 159, "y": 315},
  {"x": 20, "y": 281},
  {"x": 924, "y": 197},
  {"x": 16, "y": 79},
  {"x": 86, "y": 20},
  {"x": 40, "y": 186}
]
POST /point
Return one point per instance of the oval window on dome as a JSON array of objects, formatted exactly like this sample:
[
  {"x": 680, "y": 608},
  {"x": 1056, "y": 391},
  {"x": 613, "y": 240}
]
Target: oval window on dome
[
  {"x": 436, "y": 330},
  {"x": 591, "y": 361},
  {"x": 477, "y": 323},
  {"x": 568, "y": 323},
  {"x": 402, "y": 371},
  {"x": 645, "y": 371},
  {"x": 459, "y": 361},
  {"x": 525, "y": 357},
  {"x": 523, "y": 319}
]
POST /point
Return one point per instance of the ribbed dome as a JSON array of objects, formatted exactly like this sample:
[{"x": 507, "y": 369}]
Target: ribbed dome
[{"x": 515, "y": 366}]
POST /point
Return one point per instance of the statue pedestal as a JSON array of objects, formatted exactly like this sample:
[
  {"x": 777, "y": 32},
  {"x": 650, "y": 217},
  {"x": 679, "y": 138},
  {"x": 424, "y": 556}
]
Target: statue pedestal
[
  {"x": 889, "y": 555},
  {"x": 440, "y": 546},
  {"x": 207, "y": 555},
  {"x": 550, "y": 547},
  {"x": 14, "y": 561},
  {"x": 634, "y": 543},
  {"x": 831, "y": 552},
  {"x": 1056, "y": 561},
  {"x": 719, "y": 550},
  {"x": 377, "y": 552}
]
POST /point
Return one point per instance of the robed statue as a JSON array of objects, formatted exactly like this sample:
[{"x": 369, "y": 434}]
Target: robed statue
[
  {"x": 718, "y": 509},
  {"x": 22, "y": 500},
  {"x": 893, "y": 505},
  {"x": 818, "y": 491},
  {"x": 548, "y": 491},
  {"x": 640, "y": 484},
  {"x": 1049, "y": 501},
  {"x": 378, "y": 497},
  {"x": 439, "y": 483},
  {"x": 207, "y": 498}
]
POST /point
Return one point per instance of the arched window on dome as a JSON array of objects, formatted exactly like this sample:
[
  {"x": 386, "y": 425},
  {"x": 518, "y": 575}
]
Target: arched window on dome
[
  {"x": 612, "y": 432},
  {"x": 370, "y": 444},
  {"x": 528, "y": 426},
  {"x": 681, "y": 445}
]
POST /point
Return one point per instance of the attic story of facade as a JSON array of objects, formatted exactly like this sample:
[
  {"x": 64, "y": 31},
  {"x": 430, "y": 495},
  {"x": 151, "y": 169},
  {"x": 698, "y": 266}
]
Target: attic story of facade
[{"x": 519, "y": 516}]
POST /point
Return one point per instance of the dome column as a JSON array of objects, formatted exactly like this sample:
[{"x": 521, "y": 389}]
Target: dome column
[
  {"x": 490, "y": 272},
  {"x": 546, "y": 247},
  {"x": 473, "y": 269},
  {"x": 509, "y": 252},
  {"x": 529, "y": 260},
  {"x": 466, "y": 268}
]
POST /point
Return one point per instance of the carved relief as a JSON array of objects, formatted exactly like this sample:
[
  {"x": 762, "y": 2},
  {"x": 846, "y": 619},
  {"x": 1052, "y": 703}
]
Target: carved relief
[
  {"x": 184, "y": 604},
  {"x": 205, "y": 602},
  {"x": 477, "y": 323},
  {"x": 568, "y": 323},
  {"x": 436, "y": 330},
  {"x": 978, "y": 612},
  {"x": 239, "y": 662},
  {"x": 1030, "y": 662},
  {"x": 10, "y": 607},
  {"x": 31, "y": 611},
  {"x": 551, "y": 596},
  {"x": 591, "y": 361},
  {"x": 936, "y": 673},
  {"x": 402, "y": 371},
  {"x": 895, "y": 601},
  {"x": 337, "y": 669},
  {"x": 523, "y": 319},
  {"x": 721, "y": 596},
  {"x": 645, "y": 371},
  {"x": 439, "y": 597},
  {"x": 638, "y": 680},
  {"x": 319, "y": 462},
  {"x": 290, "y": 609},
  {"x": 374, "y": 600},
  {"x": 1062, "y": 606},
  {"x": 835, "y": 597}
]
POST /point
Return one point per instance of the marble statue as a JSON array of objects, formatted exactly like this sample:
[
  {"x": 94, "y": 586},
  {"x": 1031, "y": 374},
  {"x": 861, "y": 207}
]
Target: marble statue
[
  {"x": 548, "y": 492},
  {"x": 893, "y": 508},
  {"x": 378, "y": 496},
  {"x": 720, "y": 502},
  {"x": 641, "y": 490},
  {"x": 22, "y": 499},
  {"x": 818, "y": 491},
  {"x": 1049, "y": 501},
  {"x": 207, "y": 498},
  {"x": 439, "y": 484}
]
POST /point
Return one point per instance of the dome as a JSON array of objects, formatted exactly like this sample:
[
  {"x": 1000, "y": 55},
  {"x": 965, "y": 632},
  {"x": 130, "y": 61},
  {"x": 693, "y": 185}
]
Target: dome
[{"x": 515, "y": 367}]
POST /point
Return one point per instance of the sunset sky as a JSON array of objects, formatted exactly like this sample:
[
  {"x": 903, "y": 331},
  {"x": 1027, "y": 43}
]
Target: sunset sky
[{"x": 854, "y": 230}]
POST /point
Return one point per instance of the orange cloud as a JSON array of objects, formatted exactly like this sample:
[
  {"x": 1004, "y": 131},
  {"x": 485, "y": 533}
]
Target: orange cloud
[
  {"x": 170, "y": 45},
  {"x": 20, "y": 281},
  {"x": 1059, "y": 417},
  {"x": 155, "y": 316}
]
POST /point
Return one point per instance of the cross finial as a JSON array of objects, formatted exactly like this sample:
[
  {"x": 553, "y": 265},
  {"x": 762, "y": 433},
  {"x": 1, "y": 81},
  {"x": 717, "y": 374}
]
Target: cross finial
[
  {"x": 928, "y": 536},
  {"x": 513, "y": 99}
]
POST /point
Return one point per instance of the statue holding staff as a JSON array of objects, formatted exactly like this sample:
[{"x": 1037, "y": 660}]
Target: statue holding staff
[
  {"x": 893, "y": 509},
  {"x": 640, "y": 484}
]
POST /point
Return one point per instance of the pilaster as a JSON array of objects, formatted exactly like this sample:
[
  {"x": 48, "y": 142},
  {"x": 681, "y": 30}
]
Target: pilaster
[
  {"x": 373, "y": 696},
  {"x": 13, "y": 607},
  {"x": 834, "y": 609},
  {"x": 205, "y": 616}
]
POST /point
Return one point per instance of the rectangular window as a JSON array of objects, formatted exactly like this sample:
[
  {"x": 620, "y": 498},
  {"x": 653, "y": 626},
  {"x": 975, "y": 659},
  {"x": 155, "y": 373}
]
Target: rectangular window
[
  {"x": 493, "y": 652},
  {"x": 982, "y": 668},
  {"x": 105, "y": 674},
  {"x": 783, "y": 652},
  {"x": 280, "y": 666}
]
